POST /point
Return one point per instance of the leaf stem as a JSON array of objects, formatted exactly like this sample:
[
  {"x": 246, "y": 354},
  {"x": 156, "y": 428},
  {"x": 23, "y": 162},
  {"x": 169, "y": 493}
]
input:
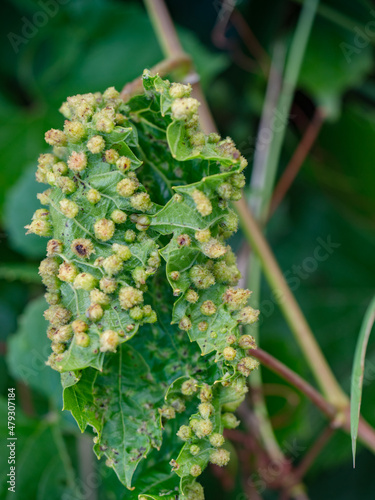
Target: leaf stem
[{"x": 291, "y": 309}]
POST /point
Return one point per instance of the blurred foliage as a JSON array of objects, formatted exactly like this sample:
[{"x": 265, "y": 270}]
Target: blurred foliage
[{"x": 90, "y": 45}]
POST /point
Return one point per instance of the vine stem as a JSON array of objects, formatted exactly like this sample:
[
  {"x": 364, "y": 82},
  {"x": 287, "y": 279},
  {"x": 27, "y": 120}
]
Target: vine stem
[{"x": 291, "y": 309}]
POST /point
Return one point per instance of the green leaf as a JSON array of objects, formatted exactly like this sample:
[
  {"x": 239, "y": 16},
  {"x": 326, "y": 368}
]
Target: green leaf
[{"x": 358, "y": 373}]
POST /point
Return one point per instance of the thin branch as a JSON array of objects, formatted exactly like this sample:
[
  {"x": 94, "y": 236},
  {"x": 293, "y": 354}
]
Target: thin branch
[
  {"x": 313, "y": 452},
  {"x": 296, "y": 162},
  {"x": 290, "y": 308}
]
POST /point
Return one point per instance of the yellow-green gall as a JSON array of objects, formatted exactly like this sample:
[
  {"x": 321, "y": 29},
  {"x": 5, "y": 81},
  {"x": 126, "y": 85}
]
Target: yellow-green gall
[
  {"x": 82, "y": 247},
  {"x": 247, "y": 315},
  {"x": 208, "y": 308},
  {"x": 141, "y": 202},
  {"x": 189, "y": 387},
  {"x": 79, "y": 326},
  {"x": 60, "y": 168},
  {"x": 58, "y": 347},
  {"x": 77, "y": 162},
  {"x": 57, "y": 315},
  {"x": 69, "y": 208},
  {"x": 63, "y": 333},
  {"x": 202, "y": 326},
  {"x": 174, "y": 275},
  {"x": 94, "y": 312},
  {"x": 111, "y": 156},
  {"x": 67, "y": 185},
  {"x": 226, "y": 274},
  {"x": 247, "y": 342},
  {"x": 52, "y": 298},
  {"x": 235, "y": 298},
  {"x": 185, "y": 324},
  {"x": 183, "y": 240},
  {"x": 194, "y": 450},
  {"x": 192, "y": 296},
  {"x": 130, "y": 236},
  {"x": 48, "y": 267},
  {"x": 104, "y": 229},
  {"x": 55, "y": 137},
  {"x": 216, "y": 439},
  {"x": 205, "y": 394},
  {"x": 123, "y": 163},
  {"x": 44, "y": 197},
  {"x": 213, "y": 249},
  {"x": 82, "y": 339},
  {"x": 108, "y": 285},
  {"x": 229, "y": 421},
  {"x": 96, "y": 144},
  {"x": 85, "y": 281},
  {"x": 104, "y": 120},
  {"x": 39, "y": 227},
  {"x": 98, "y": 297},
  {"x": 229, "y": 353},
  {"x": 206, "y": 410},
  {"x": 167, "y": 412},
  {"x": 201, "y": 277},
  {"x": 139, "y": 275},
  {"x": 220, "y": 457},
  {"x": 67, "y": 272},
  {"x": 231, "y": 339},
  {"x": 247, "y": 365},
  {"x": 93, "y": 196},
  {"x": 202, "y": 203},
  {"x": 136, "y": 313},
  {"x": 112, "y": 265},
  {"x": 184, "y": 432},
  {"x": 183, "y": 108},
  {"x": 203, "y": 428},
  {"x": 126, "y": 187},
  {"x": 178, "y": 90},
  {"x": 214, "y": 137},
  {"x": 203, "y": 236},
  {"x": 74, "y": 130},
  {"x": 225, "y": 190},
  {"x": 130, "y": 297},
  {"x": 122, "y": 251},
  {"x": 195, "y": 470},
  {"x": 118, "y": 216},
  {"x": 109, "y": 340}
]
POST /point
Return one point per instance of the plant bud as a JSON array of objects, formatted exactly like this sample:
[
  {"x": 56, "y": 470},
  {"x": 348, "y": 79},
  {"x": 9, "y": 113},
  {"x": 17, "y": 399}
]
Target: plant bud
[
  {"x": 126, "y": 187},
  {"x": 57, "y": 315},
  {"x": 229, "y": 353},
  {"x": 229, "y": 421},
  {"x": 82, "y": 339},
  {"x": 183, "y": 108},
  {"x": 247, "y": 315},
  {"x": 185, "y": 324},
  {"x": 202, "y": 326},
  {"x": 130, "y": 236},
  {"x": 67, "y": 186},
  {"x": 98, "y": 297},
  {"x": 79, "y": 326},
  {"x": 39, "y": 227},
  {"x": 178, "y": 90},
  {"x": 235, "y": 298},
  {"x": 191, "y": 296},
  {"x": 123, "y": 164},
  {"x": 195, "y": 470},
  {"x": 189, "y": 387},
  {"x": 64, "y": 333},
  {"x": 206, "y": 410},
  {"x": 247, "y": 365},
  {"x": 111, "y": 156},
  {"x": 201, "y": 277},
  {"x": 205, "y": 394}
]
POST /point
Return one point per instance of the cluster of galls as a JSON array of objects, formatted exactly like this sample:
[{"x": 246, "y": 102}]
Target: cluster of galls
[
  {"x": 86, "y": 142},
  {"x": 203, "y": 427}
]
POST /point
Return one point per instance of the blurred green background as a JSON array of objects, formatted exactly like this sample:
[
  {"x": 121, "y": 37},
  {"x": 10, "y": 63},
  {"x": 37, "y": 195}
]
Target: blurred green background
[{"x": 81, "y": 46}]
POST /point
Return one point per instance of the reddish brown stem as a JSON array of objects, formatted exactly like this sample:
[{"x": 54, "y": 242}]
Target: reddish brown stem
[
  {"x": 296, "y": 162},
  {"x": 313, "y": 452}
]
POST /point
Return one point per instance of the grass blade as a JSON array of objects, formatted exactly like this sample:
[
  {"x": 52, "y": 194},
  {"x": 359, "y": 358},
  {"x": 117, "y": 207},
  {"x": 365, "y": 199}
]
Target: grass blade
[{"x": 358, "y": 372}]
